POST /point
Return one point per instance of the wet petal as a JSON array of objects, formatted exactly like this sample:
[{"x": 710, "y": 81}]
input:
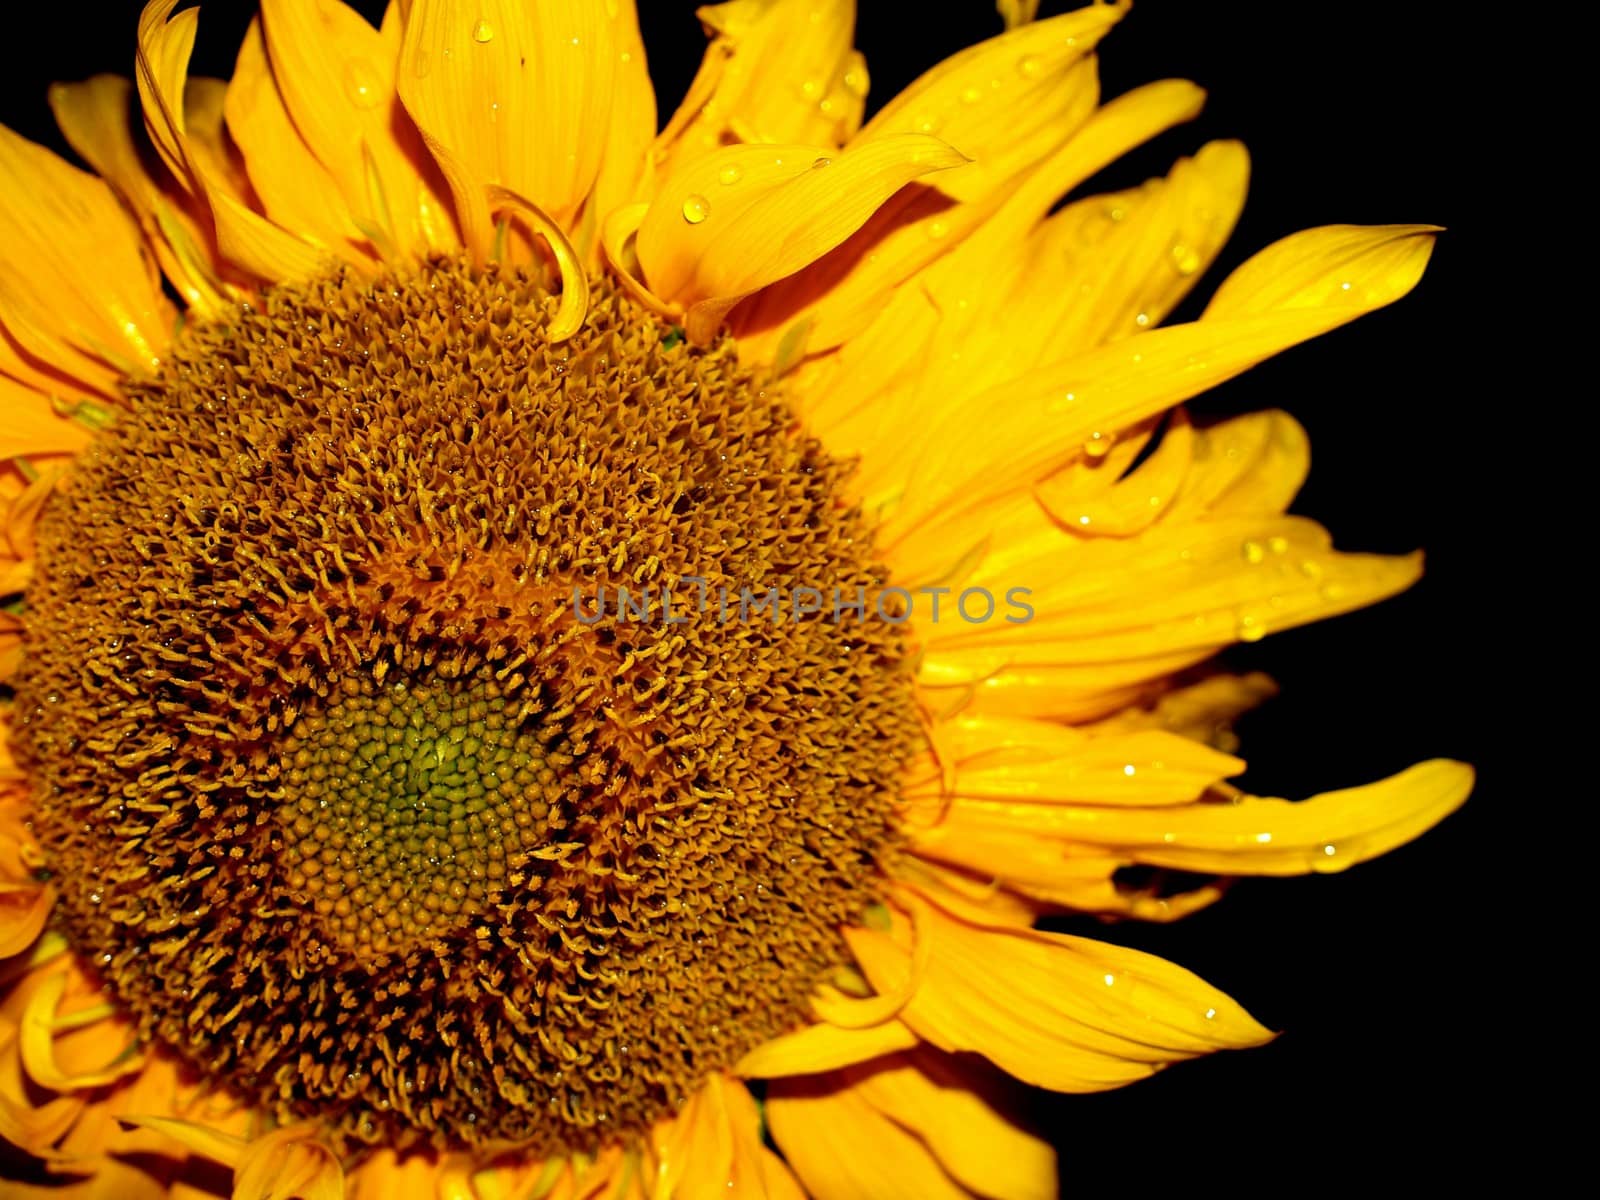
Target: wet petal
[
  {"x": 736, "y": 220},
  {"x": 823, "y": 1047}
]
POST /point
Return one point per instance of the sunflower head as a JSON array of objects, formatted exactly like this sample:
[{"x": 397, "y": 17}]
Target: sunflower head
[{"x": 518, "y": 621}]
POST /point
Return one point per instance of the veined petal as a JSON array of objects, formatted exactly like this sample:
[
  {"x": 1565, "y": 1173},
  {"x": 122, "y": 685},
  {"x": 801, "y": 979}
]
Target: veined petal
[
  {"x": 1075, "y": 1015},
  {"x": 94, "y": 326},
  {"x": 992, "y": 757},
  {"x": 1202, "y": 710},
  {"x": 713, "y": 1148},
  {"x": 295, "y": 189},
  {"x": 511, "y": 94},
  {"x": 779, "y": 71},
  {"x": 1246, "y": 835},
  {"x": 96, "y": 117},
  {"x": 1111, "y": 496},
  {"x": 823, "y": 1047},
  {"x": 1328, "y": 278},
  {"x": 625, "y": 168},
  {"x": 245, "y": 238},
  {"x": 928, "y": 1094},
  {"x": 843, "y": 1148},
  {"x": 1130, "y": 257},
  {"x": 336, "y": 76},
  {"x": 1252, "y": 463},
  {"x": 738, "y": 219}
]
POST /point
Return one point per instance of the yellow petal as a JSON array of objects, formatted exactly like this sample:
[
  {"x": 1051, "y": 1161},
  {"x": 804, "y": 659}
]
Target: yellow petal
[
  {"x": 624, "y": 168},
  {"x": 23, "y": 912},
  {"x": 245, "y": 238},
  {"x": 96, "y": 118},
  {"x": 1046, "y": 417},
  {"x": 1017, "y": 12},
  {"x": 992, "y": 757},
  {"x": 288, "y": 1164},
  {"x": 1252, "y": 463},
  {"x": 843, "y": 1148},
  {"x": 713, "y": 1148},
  {"x": 1008, "y": 104},
  {"x": 930, "y": 1095},
  {"x": 94, "y": 326},
  {"x": 41, "y": 1023},
  {"x": 513, "y": 94},
  {"x": 1131, "y": 256},
  {"x": 779, "y": 71},
  {"x": 336, "y": 75},
  {"x": 823, "y": 1047},
  {"x": 296, "y": 190},
  {"x": 1202, "y": 710},
  {"x": 32, "y": 426},
  {"x": 1074, "y": 1015},
  {"x": 1120, "y": 494},
  {"x": 1248, "y": 835},
  {"x": 743, "y": 217}
]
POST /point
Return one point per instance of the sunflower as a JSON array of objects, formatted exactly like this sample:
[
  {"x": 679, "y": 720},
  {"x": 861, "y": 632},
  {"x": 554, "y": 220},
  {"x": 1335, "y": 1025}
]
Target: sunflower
[{"x": 550, "y": 657}]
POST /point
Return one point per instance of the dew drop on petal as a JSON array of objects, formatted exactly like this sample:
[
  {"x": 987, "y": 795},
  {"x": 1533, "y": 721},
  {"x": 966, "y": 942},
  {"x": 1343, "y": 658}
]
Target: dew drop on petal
[
  {"x": 1098, "y": 445},
  {"x": 729, "y": 175},
  {"x": 696, "y": 208},
  {"x": 482, "y": 31},
  {"x": 818, "y": 163},
  {"x": 1185, "y": 259},
  {"x": 1250, "y": 628},
  {"x": 1031, "y": 66},
  {"x": 1253, "y": 552},
  {"x": 361, "y": 84}
]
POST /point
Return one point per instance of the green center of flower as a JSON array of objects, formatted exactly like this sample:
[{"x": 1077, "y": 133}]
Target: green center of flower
[
  {"x": 355, "y": 799},
  {"x": 406, "y": 807}
]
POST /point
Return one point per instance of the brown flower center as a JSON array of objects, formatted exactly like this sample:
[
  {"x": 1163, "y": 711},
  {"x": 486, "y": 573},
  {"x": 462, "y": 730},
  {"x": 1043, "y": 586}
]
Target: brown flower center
[{"x": 350, "y": 803}]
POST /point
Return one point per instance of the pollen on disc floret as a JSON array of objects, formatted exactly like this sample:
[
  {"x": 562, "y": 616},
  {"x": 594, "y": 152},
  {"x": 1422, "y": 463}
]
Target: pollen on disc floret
[{"x": 351, "y": 811}]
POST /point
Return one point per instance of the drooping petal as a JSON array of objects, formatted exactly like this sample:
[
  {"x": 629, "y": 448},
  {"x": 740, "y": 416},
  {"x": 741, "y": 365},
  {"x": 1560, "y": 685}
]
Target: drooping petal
[
  {"x": 843, "y": 1148},
  {"x": 245, "y": 238},
  {"x": 1243, "y": 835},
  {"x": 296, "y": 190},
  {"x": 736, "y": 220},
  {"x": 1073, "y": 1015},
  {"x": 823, "y": 1047},
  {"x": 778, "y": 71},
  {"x": 97, "y": 119},
  {"x": 93, "y": 326},
  {"x": 1321, "y": 280},
  {"x": 932, "y": 1096}
]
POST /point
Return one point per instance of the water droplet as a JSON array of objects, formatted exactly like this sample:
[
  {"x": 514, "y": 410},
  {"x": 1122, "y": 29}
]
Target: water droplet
[
  {"x": 855, "y": 81},
  {"x": 1278, "y": 544},
  {"x": 696, "y": 208},
  {"x": 811, "y": 89},
  {"x": 1332, "y": 591},
  {"x": 482, "y": 32},
  {"x": 729, "y": 175},
  {"x": 1129, "y": 769},
  {"x": 1250, "y": 628},
  {"x": 361, "y": 84},
  {"x": 1253, "y": 552},
  {"x": 1211, "y": 1014},
  {"x": 1110, "y": 979},
  {"x": 1185, "y": 260},
  {"x": 1264, "y": 838},
  {"x": 1098, "y": 445},
  {"x": 971, "y": 95},
  {"x": 937, "y": 229},
  {"x": 1117, "y": 212},
  {"x": 818, "y": 163},
  {"x": 929, "y": 124},
  {"x": 1311, "y": 569},
  {"x": 1031, "y": 66},
  {"x": 1142, "y": 320}
]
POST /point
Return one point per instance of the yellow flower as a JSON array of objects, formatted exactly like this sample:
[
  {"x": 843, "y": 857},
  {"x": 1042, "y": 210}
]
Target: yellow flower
[{"x": 561, "y": 629}]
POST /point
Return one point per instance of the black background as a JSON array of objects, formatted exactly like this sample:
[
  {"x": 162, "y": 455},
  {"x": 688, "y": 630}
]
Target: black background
[{"x": 1383, "y": 980}]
